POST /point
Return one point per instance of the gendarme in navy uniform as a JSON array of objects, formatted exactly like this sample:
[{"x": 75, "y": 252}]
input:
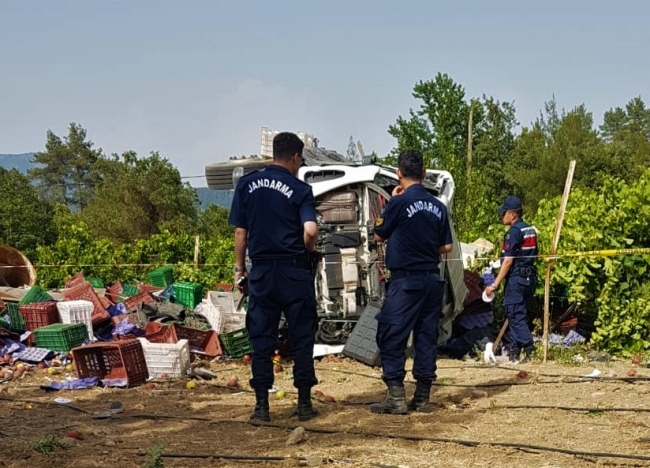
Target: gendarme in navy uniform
[
  {"x": 274, "y": 215},
  {"x": 416, "y": 227},
  {"x": 518, "y": 256}
]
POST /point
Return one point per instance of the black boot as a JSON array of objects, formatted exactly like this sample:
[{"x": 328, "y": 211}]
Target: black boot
[
  {"x": 261, "y": 412},
  {"x": 420, "y": 401},
  {"x": 305, "y": 410},
  {"x": 529, "y": 353},
  {"x": 394, "y": 403}
]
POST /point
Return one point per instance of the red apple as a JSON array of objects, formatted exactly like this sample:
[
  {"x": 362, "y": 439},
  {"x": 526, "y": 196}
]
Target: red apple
[
  {"x": 522, "y": 375},
  {"x": 75, "y": 435},
  {"x": 329, "y": 399},
  {"x": 631, "y": 373},
  {"x": 232, "y": 382}
]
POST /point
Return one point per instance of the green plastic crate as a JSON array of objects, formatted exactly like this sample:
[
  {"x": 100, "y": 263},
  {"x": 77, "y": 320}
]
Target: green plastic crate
[
  {"x": 96, "y": 282},
  {"x": 188, "y": 294},
  {"x": 16, "y": 320},
  {"x": 129, "y": 290},
  {"x": 161, "y": 277},
  {"x": 236, "y": 344},
  {"x": 35, "y": 294},
  {"x": 61, "y": 337}
]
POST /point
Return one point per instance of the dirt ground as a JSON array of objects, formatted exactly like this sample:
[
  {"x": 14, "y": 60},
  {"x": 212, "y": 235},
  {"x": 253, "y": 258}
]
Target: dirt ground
[{"x": 473, "y": 403}]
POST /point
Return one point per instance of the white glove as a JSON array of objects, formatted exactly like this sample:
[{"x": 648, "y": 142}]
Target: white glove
[{"x": 488, "y": 354}]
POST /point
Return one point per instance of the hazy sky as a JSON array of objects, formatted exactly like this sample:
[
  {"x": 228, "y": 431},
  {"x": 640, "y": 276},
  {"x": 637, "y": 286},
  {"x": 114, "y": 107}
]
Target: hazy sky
[{"x": 196, "y": 80}]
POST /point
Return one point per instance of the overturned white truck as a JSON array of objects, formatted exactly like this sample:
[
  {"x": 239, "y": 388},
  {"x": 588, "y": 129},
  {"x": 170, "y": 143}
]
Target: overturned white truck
[{"x": 351, "y": 277}]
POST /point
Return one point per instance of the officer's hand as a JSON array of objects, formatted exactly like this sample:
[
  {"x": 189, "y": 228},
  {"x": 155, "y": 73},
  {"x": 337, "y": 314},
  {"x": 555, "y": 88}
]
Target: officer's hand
[
  {"x": 398, "y": 190},
  {"x": 489, "y": 291},
  {"x": 238, "y": 277}
]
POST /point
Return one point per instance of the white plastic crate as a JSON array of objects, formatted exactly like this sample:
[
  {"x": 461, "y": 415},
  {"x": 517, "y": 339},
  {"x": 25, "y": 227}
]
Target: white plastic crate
[
  {"x": 172, "y": 359},
  {"x": 211, "y": 312},
  {"x": 77, "y": 312},
  {"x": 223, "y": 305}
]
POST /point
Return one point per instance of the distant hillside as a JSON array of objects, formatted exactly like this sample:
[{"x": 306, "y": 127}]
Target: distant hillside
[
  {"x": 21, "y": 162},
  {"x": 218, "y": 197}
]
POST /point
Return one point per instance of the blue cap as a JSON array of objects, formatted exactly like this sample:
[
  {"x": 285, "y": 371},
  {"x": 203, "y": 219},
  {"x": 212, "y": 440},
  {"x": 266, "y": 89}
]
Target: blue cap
[{"x": 511, "y": 203}]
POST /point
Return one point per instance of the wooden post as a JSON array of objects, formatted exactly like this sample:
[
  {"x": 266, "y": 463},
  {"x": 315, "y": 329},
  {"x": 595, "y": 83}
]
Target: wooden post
[
  {"x": 196, "y": 251},
  {"x": 469, "y": 141},
  {"x": 551, "y": 261}
]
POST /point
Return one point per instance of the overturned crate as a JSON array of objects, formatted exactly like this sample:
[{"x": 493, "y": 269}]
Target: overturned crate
[{"x": 118, "y": 360}]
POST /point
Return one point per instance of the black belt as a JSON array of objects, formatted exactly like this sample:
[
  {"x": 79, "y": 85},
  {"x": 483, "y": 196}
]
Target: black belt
[
  {"x": 397, "y": 274},
  {"x": 279, "y": 262}
]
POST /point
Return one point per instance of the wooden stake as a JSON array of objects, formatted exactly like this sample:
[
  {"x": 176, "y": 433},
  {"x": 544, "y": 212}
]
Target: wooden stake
[
  {"x": 196, "y": 251},
  {"x": 551, "y": 261}
]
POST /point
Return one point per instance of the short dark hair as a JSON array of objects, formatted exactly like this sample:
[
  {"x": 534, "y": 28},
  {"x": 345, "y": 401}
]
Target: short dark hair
[
  {"x": 411, "y": 164},
  {"x": 285, "y": 145}
]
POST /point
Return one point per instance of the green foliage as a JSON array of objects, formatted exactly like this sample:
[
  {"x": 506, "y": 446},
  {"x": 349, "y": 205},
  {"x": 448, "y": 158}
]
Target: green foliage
[
  {"x": 76, "y": 249},
  {"x": 25, "y": 220},
  {"x": 64, "y": 170},
  {"x": 155, "y": 457},
  {"x": 611, "y": 290},
  {"x": 213, "y": 223},
  {"x": 47, "y": 444},
  {"x": 137, "y": 197}
]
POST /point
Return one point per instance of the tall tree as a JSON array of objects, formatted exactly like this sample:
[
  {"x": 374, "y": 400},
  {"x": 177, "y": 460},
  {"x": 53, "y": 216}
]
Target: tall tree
[
  {"x": 136, "y": 197},
  {"x": 439, "y": 127},
  {"x": 25, "y": 219},
  {"x": 627, "y": 132},
  {"x": 64, "y": 169},
  {"x": 542, "y": 154}
]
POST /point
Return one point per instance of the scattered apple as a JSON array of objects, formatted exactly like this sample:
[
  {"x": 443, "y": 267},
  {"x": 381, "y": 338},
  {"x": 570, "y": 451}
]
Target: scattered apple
[
  {"x": 247, "y": 358},
  {"x": 149, "y": 385},
  {"x": 191, "y": 385},
  {"x": 631, "y": 373},
  {"x": 522, "y": 375},
  {"x": 232, "y": 382},
  {"x": 75, "y": 435},
  {"x": 69, "y": 368},
  {"x": 42, "y": 365},
  {"x": 56, "y": 363},
  {"x": 52, "y": 371},
  {"x": 636, "y": 360},
  {"x": 329, "y": 399},
  {"x": 20, "y": 365},
  {"x": 318, "y": 393},
  {"x": 279, "y": 394}
]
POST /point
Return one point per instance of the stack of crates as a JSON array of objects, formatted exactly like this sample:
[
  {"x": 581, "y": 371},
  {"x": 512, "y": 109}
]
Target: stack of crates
[
  {"x": 77, "y": 312},
  {"x": 38, "y": 315}
]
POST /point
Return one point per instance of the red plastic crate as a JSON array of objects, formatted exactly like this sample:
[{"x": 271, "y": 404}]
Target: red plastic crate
[
  {"x": 39, "y": 314},
  {"x": 85, "y": 291},
  {"x": 75, "y": 280},
  {"x": 141, "y": 298},
  {"x": 114, "y": 292},
  {"x": 206, "y": 340},
  {"x": 106, "y": 302},
  {"x": 114, "y": 360}
]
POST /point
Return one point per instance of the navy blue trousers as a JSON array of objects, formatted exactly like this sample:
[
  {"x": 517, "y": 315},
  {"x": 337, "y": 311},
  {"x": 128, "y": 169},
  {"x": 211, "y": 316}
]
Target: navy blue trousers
[
  {"x": 518, "y": 296},
  {"x": 413, "y": 303},
  {"x": 273, "y": 290}
]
